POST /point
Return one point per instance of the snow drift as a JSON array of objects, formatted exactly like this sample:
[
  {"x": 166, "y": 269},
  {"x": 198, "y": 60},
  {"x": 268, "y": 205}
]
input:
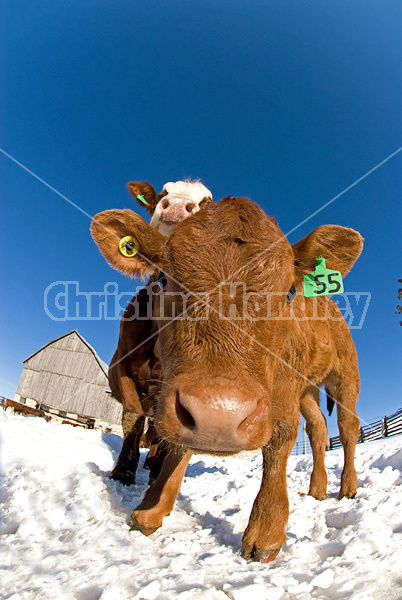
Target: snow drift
[{"x": 64, "y": 533}]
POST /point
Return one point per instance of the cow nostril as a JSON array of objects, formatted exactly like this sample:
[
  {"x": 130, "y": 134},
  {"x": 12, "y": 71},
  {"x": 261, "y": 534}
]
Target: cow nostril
[
  {"x": 253, "y": 417},
  {"x": 183, "y": 414},
  {"x": 190, "y": 207},
  {"x": 165, "y": 203}
]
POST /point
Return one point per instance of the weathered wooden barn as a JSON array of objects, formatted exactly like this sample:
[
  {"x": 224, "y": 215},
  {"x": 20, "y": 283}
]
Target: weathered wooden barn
[{"x": 68, "y": 375}]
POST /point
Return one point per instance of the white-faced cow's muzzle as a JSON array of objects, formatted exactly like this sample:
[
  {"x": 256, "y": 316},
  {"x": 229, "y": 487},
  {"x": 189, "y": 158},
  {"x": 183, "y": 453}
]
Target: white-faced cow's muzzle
[{"x": 171, "y": 210}]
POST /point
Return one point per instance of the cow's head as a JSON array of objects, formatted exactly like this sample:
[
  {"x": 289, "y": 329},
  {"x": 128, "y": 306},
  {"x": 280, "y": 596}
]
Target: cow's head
[
  {"x": 220, "y": 366},
  {"x": 176, "y": 202}
]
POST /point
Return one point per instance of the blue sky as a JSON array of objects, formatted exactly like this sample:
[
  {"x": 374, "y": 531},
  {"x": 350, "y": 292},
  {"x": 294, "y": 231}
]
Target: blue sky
[{"x": 285, "y": 102}]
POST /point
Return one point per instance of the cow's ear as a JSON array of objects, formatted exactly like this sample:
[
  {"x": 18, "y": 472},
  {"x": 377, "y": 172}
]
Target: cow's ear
[
  {"x": 340, "y": 246},
  {"x": 129, "y": 244},
  {"x": 142, "y": 190}
]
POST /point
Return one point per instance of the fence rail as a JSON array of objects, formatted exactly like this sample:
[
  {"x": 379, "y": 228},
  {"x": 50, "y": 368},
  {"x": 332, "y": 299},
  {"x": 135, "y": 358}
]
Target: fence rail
[
  {"x": 383, "y": 428},
  {"x": 47, "y": 412}
]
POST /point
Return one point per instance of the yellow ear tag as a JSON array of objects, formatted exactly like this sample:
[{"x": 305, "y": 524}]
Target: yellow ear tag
[{"x": 128, "y": 246}]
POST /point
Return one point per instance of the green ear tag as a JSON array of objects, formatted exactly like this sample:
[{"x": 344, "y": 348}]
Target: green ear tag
[
  {"x": 322, "y": 281},
  {"x": 142, "y": 199}
]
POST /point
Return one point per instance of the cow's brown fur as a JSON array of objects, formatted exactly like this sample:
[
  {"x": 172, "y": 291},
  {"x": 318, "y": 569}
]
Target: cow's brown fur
[{"x": 263, "y": 370}]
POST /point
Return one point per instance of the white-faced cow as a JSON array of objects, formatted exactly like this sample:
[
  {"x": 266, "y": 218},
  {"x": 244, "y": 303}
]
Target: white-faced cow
[
  {"x": 238, "y": 362},
  {"x": 177, "y": 201}
]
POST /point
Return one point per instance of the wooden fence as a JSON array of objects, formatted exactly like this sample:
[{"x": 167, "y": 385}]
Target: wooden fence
[
  {"x": 47, "y": 412},
  {"x": 383, "y": 428}
]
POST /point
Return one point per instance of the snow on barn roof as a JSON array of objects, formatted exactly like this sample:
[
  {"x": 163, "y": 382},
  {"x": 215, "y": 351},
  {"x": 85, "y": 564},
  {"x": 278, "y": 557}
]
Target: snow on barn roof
[{"x": 100, "y": 362}]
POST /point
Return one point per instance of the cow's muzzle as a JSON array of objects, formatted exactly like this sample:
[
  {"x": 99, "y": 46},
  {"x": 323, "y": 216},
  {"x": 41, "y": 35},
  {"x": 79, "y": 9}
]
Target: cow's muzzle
[{"x": 215, "y": 418}]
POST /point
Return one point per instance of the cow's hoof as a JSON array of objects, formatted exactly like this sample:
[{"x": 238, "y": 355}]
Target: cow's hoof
[
  {"x": 138, "y": 523},
  {"x": 318, "y": 495},
  {"x": 348, "y": 486},
  {"x": 261, "y": 543},
  {"x": 347, "y": 494},
  {"x": 125, "y": 477},
  {"x": 263, "y": 556}
]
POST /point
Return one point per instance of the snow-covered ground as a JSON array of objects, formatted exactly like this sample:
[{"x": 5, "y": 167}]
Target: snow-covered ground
[{"x": 64, "y": 533}]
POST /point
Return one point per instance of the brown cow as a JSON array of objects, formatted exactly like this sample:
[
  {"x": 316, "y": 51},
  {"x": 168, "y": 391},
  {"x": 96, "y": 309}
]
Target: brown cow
[
  {"x": 130, "y": 374},
  {"x": 237, "y": 363},
  {"x": 134, "y": 372}
]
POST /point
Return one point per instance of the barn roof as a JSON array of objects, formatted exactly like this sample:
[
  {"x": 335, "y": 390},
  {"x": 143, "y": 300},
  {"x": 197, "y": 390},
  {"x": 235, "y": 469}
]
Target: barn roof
[{"x": 100, "y": 362}]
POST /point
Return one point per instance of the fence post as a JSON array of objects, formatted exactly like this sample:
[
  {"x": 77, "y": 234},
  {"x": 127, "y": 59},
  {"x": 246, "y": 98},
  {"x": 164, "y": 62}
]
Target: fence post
[
  {"x": 304, "y": 438},
  {"x": 385, "y": 422}
]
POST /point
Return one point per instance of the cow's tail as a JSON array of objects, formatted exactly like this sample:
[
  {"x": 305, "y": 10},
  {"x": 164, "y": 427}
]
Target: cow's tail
[{"x": 330, "y": 401}]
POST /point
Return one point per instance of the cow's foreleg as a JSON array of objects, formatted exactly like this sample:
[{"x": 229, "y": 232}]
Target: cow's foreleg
[
  {"x": 130, "y": 399},
  {"x": 159, "y": 499},
  {"x": 318, "y": 435},
  {"x": 158, "y": 462},
  {"x": 132, "y": 422},
  {"x": 265, "y": 532},
  {"x": 126, "y": 465},
  {"x": 156, "y": 454}
]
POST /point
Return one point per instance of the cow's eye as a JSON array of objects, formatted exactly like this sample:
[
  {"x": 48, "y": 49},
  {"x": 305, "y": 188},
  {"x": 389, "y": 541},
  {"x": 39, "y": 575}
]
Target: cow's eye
[
  {"x": 204, "y": 201},
  {"x": 239, "y": 241},
  {"x": 291, "y": 295},
  {"x": 162, "y": 281}
]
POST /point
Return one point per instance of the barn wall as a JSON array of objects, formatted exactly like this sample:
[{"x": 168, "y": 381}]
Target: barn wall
[{"x": 66, "y": 375}]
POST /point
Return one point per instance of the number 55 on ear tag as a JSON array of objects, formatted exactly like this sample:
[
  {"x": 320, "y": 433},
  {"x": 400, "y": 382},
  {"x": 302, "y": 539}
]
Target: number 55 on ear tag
[{"x": 322, "y": 281}]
